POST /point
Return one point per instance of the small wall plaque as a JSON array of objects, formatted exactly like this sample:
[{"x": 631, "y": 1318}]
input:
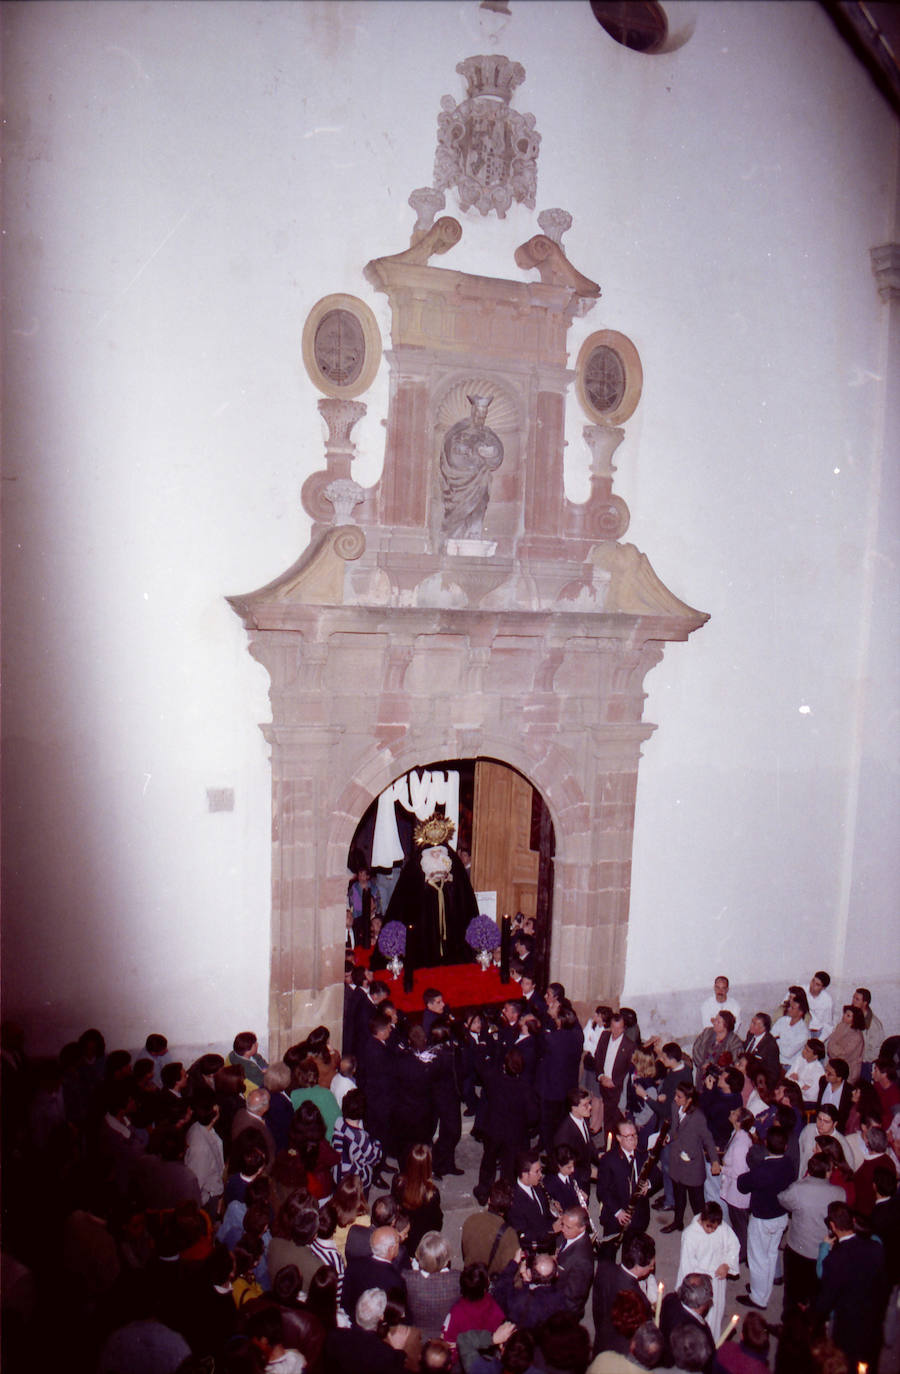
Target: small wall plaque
[
  {"x": 341, "y": 346},
  {"x": 608, "y": 377}
]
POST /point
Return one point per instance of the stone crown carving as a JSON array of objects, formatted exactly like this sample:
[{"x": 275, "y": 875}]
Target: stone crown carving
[
  {"x": 491, "y": 75},
  {"x": 486, "y": 150}
]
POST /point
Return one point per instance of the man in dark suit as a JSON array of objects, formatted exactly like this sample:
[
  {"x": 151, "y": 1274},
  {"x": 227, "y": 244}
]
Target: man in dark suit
[
  {"x": 508, "y": 1025},
  {"x": 377, "y": 1079},
  {"x": 376, "y": 1270},
  {"x": 638, "y": 1260},
  {"x": 575, "y": 1258},
  {"x": 372, "y": 996},
  {"x": 854, "y": 1288},
  {"x": 560, "y": 1186},
  {"x": 687, "y": 1306},
  {"x": 533, "y": 1003},
  {"x": 885, "y": 1220},
  {"x": 617, "y": 1176},
  {"x": 612, "y": 1063},
  {"x": 763, "y": 1046},
  {"x": 574, "y": 1131},
  {"x": 530, "y": 1214},
  {"x": 350, "y": 1349},
  {"x": 531, "y": 1290},
  {"x": 835, "y": 1090}
]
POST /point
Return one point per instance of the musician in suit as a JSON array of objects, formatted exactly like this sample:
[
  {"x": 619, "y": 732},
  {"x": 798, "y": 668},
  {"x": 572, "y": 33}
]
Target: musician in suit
[
  {"x": 530, "y": 1214},
  {"x": 763, "y": 1045},
  {"x": 617, "y": 1176},
  {"x": 574, "y": 1131},
  {"x": 638, "y": 1260},
  {"x": 560, "y": 1186},
  {"x": 575, "y": 1259},
  {"x": 612, "y": 1062}
]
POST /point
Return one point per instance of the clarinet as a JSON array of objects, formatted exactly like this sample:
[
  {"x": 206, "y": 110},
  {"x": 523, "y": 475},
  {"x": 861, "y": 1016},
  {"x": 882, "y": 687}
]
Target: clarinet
[
  {"x": 649, "y": 1165},
  {"x": 583, "y": 1202}
]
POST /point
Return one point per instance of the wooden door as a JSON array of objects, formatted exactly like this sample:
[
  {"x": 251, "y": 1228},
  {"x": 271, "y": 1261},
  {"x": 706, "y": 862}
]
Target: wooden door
[{"x": 502, "y": 857}]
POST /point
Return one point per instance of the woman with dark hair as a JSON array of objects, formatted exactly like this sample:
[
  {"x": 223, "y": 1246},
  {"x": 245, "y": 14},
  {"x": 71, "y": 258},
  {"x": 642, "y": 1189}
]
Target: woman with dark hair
[
  {"x": 397, "y": 1333},
  {"x": 474, "y": 1041},
  {"x": 232, "y": 1223},
  {"x": 327, "y": 1058},
  {"x": 248, "y": 1163},
  {"x": 322, "y": 1297},
  {"x": 418, "y": 1195},
  {"x": 305, "y": 1088},
  {"x": 475, "y": 1309},
  {"x": 716, "y": 1048},
  {"x": 559, "y": 1064},
  {"x": 229, "y": 1094},
  {"x": 297, "y": 1228},
  {"x": 351, "y": 1209},
  {"x": 735, "y": 1204},
  {"x": 689, "y": 1140},
  {"x": 839, "y": 1171},
  {"x": 862, "y": 1103},
  {"x": 201, "y": 1077},
  {"x": 310, "y": 1151},
  {"x": 323, "y": 1245},
  {"x": 847, "y": 1041}
]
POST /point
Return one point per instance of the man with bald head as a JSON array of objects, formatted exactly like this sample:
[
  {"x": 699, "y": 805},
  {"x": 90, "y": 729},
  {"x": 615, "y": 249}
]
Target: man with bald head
[
  {"x": 530, "y": 1288},
  {"x": 251, "y": 1118},
  {"x": 376, "y": 1270}
]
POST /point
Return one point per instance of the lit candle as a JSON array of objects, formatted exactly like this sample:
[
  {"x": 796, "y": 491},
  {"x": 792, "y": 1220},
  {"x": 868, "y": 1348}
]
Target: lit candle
[
  {"x": 727, "y": 1332},
  {"x": 609, "y": 1142},
  {"x": 659, "y": 1297},
  {"x": 862, "y": 1368}
]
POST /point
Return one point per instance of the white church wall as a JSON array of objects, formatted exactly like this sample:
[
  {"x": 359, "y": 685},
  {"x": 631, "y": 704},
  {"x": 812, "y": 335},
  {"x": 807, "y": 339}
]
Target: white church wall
[{"x": 183, "y": 183}]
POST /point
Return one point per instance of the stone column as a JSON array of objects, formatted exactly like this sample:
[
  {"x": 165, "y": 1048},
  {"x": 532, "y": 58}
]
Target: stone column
[{"x": 303, "y": 902}]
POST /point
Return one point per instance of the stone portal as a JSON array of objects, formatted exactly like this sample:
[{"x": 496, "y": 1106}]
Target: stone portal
[{"x": 522, "y": 634}]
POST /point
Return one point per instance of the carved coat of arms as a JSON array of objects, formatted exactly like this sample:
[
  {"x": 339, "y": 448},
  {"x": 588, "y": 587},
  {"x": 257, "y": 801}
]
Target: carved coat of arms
[{"x": 485, "y": 149}]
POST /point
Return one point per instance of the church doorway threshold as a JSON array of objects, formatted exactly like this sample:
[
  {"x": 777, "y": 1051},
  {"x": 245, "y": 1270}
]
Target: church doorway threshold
[{"x": 503, "y": 835}]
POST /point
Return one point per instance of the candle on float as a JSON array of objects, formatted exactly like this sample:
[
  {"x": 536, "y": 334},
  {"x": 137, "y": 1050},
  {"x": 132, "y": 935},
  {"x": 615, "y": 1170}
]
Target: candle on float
[
  {"x": 727, "y": 1332},
  {"x": 659, "y": 1297}
]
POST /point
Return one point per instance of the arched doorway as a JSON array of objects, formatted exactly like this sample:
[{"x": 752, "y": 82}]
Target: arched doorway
[{"x": 503, "y": 832}]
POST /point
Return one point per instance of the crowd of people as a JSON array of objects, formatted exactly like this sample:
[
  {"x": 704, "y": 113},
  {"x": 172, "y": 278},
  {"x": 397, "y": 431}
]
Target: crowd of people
[{"x": 238, "y": 1216}]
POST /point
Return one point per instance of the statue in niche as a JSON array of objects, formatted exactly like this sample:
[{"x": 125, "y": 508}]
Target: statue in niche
[{"x": 469, "y": 455}]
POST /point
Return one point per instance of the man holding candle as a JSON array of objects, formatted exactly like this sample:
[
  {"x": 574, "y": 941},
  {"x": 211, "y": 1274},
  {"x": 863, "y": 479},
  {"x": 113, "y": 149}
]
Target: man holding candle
[{"x": 617, "y": 1180}]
